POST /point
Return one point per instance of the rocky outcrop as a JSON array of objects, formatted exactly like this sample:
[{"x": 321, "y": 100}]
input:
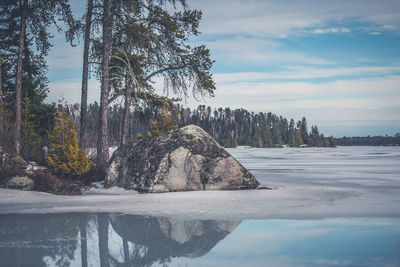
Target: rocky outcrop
[
  {"x": 182, "y": 160},
  {"x": 21, "y": 183}
]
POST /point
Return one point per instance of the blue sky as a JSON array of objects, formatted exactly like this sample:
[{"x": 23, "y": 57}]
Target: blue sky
[{"x": 335, "y": 62}]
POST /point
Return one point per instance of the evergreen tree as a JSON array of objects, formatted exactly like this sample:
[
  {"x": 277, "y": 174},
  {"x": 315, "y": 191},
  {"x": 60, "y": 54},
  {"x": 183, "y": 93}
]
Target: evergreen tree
[
  {"x": 292, "y": 134},
  {"x": 30, "y": 139},
  {"x": 304, "y": 130},
  {"x": 65, "y": 156},
  {"x": 165, "y": 123},
  {"x": 156, "y": 39},
  {"x": 23, "y": 28}
]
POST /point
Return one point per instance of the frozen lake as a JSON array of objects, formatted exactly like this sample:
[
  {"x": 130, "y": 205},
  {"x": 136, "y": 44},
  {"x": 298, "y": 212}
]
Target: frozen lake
[
  {"x": 328, "y": 207},
  {"x": 365, "y": 168}
]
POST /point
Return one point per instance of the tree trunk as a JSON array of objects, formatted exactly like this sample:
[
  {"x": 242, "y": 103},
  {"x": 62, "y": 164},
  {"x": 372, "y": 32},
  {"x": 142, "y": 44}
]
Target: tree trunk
[
  {"x": 102, "y": 143},
  {"x": 125, "y": 124},
  {"x": 1, "y": 83},
  {"x": 85, "y": 74},
  {"x": 126, "y": 250},
  {"x": 28, "y": 67},
  {"x": 102, "y": 224},
  {"x": 21, "y": 43},
  {"x": 84, "y": 261}
]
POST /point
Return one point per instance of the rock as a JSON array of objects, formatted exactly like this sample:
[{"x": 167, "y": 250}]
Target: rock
[
  {"x": 21, "y": 183},
  {"x": 264, "y": 188},
  {"x": 182, "y": 160},
  {"x": 16, "y": 163},
  {"x": 70, "y": 190}
]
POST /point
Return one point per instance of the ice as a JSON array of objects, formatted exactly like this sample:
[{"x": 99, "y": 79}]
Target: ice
[{"x": 309, "y": 183}]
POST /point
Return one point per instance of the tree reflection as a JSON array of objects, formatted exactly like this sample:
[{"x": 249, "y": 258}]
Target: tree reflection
[
  {"x": 121, "y": 240},
  {"x": 31, "y": 240}
]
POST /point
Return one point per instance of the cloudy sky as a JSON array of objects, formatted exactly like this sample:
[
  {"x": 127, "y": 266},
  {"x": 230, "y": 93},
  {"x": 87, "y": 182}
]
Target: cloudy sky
[{"x": 335, "y": 62}]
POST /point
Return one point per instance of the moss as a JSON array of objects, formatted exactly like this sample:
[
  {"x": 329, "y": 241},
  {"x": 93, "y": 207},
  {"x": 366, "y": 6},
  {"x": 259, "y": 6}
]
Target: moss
[{"x": 18, "y": 160}]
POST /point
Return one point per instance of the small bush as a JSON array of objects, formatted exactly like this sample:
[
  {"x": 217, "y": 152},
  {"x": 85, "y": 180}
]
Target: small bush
[{"x": 46, "y": 182}]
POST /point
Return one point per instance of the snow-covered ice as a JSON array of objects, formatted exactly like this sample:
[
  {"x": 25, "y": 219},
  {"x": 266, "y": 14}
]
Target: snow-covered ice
[{"x": 309, "y": 183}]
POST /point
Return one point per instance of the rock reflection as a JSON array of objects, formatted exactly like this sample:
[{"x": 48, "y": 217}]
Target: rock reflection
[{"x": 104, "y": 239}]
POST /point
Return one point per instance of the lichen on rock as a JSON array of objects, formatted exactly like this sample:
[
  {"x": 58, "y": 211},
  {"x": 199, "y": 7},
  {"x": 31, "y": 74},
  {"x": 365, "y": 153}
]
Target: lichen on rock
[
  {"x": 181, "y": 160},
  {"x": 20, "y": 182}
]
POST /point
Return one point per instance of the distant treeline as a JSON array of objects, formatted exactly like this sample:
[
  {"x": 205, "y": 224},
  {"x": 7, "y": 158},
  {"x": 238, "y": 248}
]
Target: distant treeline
[
  {"x": 229, "y": 127},
  {"x": 369, "y": 140}
]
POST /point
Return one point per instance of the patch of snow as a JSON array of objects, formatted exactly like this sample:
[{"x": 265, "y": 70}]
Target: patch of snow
[
  {"x": 97, "y": 185},
  {"x": 285, "y": 202},
  {"x": 33, "y": 166},
  {"x": 110, "y": 191},
  {"x": 111, "y": 150},
  {"x": 92, "y": 152}
]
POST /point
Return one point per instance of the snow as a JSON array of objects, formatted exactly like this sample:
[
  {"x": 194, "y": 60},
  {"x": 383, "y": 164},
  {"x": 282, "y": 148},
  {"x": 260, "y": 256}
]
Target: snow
[
  {"x": 92, "y": 152},
  {"x": 309, "y": 183}
]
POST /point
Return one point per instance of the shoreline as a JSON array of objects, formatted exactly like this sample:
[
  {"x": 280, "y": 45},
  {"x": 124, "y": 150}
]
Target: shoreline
[{"x": 286, "y": 202}]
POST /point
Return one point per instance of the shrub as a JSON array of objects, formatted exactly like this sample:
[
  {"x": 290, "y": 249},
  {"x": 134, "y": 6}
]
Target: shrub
[{"x": 46, "y": 182}]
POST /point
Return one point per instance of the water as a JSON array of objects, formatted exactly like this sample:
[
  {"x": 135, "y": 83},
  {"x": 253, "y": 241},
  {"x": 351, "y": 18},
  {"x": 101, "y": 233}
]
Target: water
[
  {"x": 84, "y": 239},
  {"x": 330, "y": 207}
]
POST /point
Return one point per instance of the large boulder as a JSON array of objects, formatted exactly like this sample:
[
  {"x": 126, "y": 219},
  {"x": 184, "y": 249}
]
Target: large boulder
[{"x": 182, "y": 160}]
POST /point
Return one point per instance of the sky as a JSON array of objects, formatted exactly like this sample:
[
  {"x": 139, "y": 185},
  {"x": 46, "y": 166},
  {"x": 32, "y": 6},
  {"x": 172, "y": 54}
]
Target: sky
[{"x": 335, "y": 62}]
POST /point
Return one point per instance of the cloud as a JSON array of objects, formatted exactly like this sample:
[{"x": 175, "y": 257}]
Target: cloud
[
  {"x": 336, "y": 262},
  {"x": 247, "y": 50},
  {"x": 331, "y": 30},
  {"x": 283, "y": 18},
  {"x": 301, "y": 73}
]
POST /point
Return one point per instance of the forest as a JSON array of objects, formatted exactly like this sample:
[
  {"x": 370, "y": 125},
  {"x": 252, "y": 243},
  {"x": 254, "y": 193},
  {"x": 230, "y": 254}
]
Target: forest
[
  {"x": 369, "y": 140},
  {"x": 230, "y": 128}
]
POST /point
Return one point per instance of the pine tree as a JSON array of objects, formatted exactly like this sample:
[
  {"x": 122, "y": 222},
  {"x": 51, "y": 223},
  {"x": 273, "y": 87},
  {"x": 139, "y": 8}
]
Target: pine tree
[
  {"x": 165, "y": 123},
  {"x": 30, "y": 139},
  {"x": 65, "y": 156},
  {"x": 304, "y": 130}
]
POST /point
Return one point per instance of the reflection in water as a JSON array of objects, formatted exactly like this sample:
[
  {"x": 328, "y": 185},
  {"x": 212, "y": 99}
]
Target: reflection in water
[
  {"x": 122, "y": 240},
  {"x": 131, "y": 240}
]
